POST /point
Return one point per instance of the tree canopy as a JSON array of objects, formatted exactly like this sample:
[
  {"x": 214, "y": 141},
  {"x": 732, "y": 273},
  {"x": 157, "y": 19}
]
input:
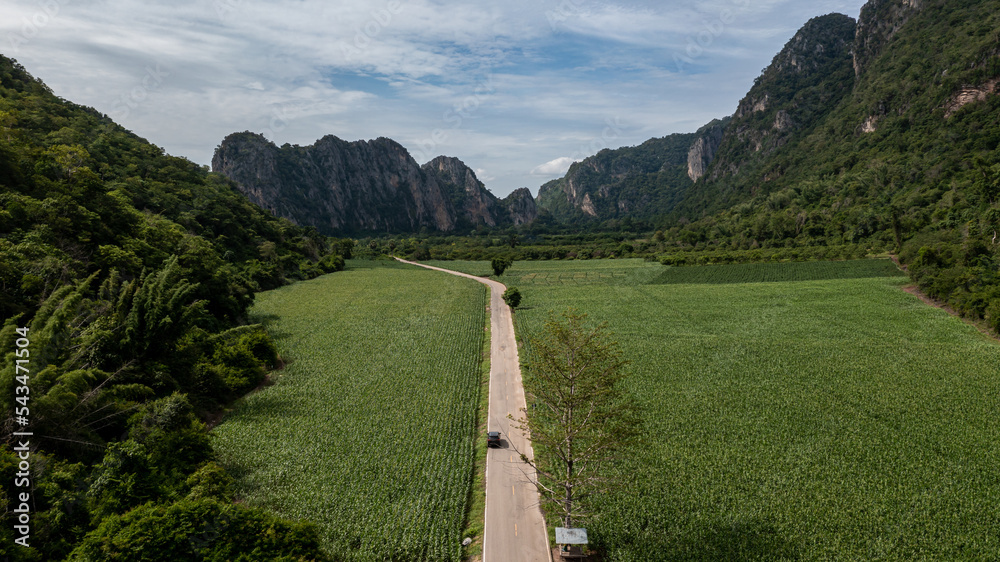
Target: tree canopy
[{"x": 578, "y": 417}]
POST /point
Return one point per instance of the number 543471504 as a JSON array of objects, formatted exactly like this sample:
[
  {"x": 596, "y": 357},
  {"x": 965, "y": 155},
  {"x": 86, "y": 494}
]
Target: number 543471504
[{"x": 22, "y": 370}]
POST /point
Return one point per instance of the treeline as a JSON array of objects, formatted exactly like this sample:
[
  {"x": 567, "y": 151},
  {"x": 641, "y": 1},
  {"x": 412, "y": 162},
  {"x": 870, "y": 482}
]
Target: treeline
[
  {"x": 794, "y": 254},
  {"x": 133, "y": 272},
  {"x": 955, "y": 259},
  {"x": 515, "y": 244}
]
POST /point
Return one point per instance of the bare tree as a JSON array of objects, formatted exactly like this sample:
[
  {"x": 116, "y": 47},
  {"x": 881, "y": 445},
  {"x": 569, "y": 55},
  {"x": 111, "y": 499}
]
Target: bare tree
[{"x": 577, "y": 418}]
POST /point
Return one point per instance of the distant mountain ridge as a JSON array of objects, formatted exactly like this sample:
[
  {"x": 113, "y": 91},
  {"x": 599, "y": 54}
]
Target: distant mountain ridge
[
  {"x": 364, "y": 186},
  {"x": 889, "y": 105},
  {"x": 810, "y": 74},
  {"x": 644, "y": 181}
]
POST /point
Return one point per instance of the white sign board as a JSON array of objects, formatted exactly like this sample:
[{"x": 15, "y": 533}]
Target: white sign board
[{"x": 571, "y": 536}]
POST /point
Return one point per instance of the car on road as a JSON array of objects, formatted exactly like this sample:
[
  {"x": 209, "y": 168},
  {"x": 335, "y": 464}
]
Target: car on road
[{"x": 493, "y": 439}]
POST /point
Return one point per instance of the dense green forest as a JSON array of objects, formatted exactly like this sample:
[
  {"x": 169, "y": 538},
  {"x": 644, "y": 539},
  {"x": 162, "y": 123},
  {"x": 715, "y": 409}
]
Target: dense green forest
[
  {"x": 128, "y": 273},
  {"x": 899, "y": 164}
]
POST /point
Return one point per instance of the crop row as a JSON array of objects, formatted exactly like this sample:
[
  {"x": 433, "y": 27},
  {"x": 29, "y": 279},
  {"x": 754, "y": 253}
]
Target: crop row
[
  {"x": 832, "y": 420},
  {"x": 369, "y": 431},
  {"x": 778, "y": 272}
]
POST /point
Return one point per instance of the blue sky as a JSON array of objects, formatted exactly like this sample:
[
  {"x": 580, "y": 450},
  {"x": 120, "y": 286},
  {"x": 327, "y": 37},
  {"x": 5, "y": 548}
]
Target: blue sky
[{"x": 517, "y": 90}]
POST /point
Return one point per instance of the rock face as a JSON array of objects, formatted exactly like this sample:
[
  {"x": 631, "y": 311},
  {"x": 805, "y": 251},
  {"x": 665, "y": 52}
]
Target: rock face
[
  {"x": 521, "y": 207},
  {"x": 810, "y": 75},
  {"x": 365, "y": 186},
  {"x": 971, "y": 94},
  {"x": 880, "y": 20},
  {"x": 468, "y": 195},
  {"x": 703, "y": 151}
]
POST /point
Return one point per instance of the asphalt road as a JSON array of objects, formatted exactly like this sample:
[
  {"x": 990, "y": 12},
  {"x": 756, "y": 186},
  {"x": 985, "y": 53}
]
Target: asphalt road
[{"x": 515, "y": 530}]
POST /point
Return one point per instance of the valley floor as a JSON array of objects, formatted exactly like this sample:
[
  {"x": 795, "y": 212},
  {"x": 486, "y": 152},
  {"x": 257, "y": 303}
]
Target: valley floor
[
  {"x": 791, "y": 412},
  {"x": 811, "y": 419}
]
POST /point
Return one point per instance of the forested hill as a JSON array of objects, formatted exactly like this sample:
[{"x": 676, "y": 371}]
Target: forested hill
[
  {"x": 900, "y": 104},
  {"x": 133, "y": 272},
  {"x": 883, "y": 133},
  {"x": 905, "y": 160}
]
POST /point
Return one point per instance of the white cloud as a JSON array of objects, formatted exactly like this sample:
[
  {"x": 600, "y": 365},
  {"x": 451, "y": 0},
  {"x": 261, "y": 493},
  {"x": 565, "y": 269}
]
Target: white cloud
[
  {"x": 483, "y": 176},
  {"x": 554, "y": 168},
  {"x": 501, "y": 86}
]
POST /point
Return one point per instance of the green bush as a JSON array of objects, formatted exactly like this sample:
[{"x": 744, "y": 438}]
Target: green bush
[
  {"x": 242, "y": 362},
  {"x": 500, "y": 264},
  {"x": 993, "y": 315},
  {"x": 512, "y": 297},
  {"x": 210, "y": 481},
  {"x": 199, "y": 529}
]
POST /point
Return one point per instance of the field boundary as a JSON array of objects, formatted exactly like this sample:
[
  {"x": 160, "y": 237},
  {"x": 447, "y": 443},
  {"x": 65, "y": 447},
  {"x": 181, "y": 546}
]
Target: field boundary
[
  {"x": 475, "y": 526},
  {"x": 777, "y": 272},
  {"x": 930, "y": 301}
]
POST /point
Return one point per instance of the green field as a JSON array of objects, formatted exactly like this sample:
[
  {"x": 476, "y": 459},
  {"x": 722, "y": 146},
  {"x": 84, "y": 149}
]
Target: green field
[
  {"x": 818, "y": 419},
  {"x": 369, "y": 430},
  {"x": 777, "y": 272}
]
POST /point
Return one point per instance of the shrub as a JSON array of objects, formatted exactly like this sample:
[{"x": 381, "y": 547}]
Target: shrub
[
  {"x": 512, "y": 297},
  {"x": 200, "y": 530},
  {"x": 500, "y": 264},
  {"x": 993, "y": 315}
]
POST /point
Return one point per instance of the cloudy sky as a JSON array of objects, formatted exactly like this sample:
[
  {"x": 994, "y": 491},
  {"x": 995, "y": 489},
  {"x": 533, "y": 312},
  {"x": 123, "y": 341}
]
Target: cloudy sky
[{"x": 516, "y": 89}]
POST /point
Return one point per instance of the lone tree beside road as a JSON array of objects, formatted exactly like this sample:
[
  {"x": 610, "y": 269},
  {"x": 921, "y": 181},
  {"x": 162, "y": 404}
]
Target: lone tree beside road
[
  {"x": 512, "y": 297},
  {"x": 500, "y": 264},
  {"x": 578, "y": 420}
]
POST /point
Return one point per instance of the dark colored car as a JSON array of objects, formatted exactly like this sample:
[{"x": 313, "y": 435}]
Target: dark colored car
[{"x": 493, "y": 439}]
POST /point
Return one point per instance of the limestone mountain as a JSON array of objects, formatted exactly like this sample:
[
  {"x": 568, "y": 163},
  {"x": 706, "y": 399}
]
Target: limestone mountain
[
  {"x": 886, "y": 128},
  {"x": 521, "y": 206},
  {"x": 640, "y": 181},
  {"x": 803, "y": 82},
  {"x": 364, "y": 186},
  {"x": 877, "y": 98},
  {"x": 800, "y": 86},
  {"x": 880, "y": 20},
  {"x": 475, "y": 205}
]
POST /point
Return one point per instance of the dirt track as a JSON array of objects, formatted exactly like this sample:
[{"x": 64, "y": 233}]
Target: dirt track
[{"x": 515, "y": 530}]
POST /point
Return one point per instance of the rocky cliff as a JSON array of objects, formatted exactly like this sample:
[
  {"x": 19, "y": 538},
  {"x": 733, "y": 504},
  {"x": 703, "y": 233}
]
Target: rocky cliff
[
  {"x": 703, "y": 150},
  {"x": 879, "y": 22},
  {"x": 469, "y": 198},
  {"x": 810, "y": 75},
  {"x": 520, "y": 206},
  {"x": 640, "y": 181},
  {"x": 363, "y": 186}
]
